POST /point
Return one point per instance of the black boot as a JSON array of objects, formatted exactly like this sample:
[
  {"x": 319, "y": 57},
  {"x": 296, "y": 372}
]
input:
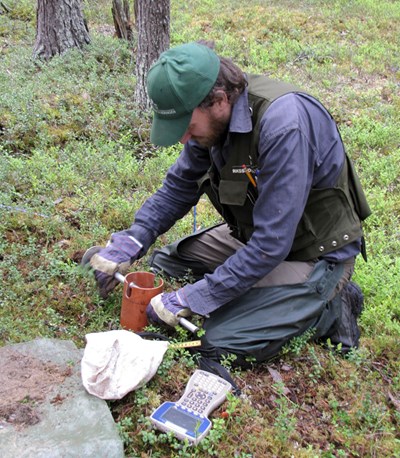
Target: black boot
[{"x": 348, "y": 333}]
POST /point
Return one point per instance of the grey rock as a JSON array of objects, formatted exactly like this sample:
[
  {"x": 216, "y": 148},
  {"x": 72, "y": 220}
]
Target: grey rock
[{"x": 69, "y": 422}]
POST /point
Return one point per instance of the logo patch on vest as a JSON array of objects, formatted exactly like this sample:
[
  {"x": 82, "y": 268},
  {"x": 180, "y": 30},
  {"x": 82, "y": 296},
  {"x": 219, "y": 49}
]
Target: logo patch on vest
[{"x": 244, "y": 168}]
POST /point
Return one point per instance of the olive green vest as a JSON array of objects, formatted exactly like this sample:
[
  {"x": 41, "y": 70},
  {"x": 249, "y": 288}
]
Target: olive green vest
[{"x": 332, "y": 216}]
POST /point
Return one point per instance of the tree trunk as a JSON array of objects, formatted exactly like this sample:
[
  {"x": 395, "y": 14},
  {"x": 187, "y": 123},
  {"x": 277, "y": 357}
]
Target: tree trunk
[
  {"x": 122, "y": 19},
  {"x": 60, "y": 26},
  {"x": 152, "y": 23}
]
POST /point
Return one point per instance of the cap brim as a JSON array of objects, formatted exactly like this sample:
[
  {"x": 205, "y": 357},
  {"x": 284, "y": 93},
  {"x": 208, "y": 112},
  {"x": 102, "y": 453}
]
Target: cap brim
[{"x": 167, "y": 132}]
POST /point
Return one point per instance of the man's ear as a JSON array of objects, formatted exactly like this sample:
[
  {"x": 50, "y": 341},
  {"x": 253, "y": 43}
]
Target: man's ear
[
  {"x": 220, "y": 97},
  {"x": 221, "y": 105}
]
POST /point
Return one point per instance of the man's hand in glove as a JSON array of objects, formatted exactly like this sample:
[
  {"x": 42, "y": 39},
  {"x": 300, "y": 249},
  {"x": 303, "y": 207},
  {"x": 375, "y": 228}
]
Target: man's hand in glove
[
  {"x": 167, "y": 308},
  {"x": 117, "y": 256}
]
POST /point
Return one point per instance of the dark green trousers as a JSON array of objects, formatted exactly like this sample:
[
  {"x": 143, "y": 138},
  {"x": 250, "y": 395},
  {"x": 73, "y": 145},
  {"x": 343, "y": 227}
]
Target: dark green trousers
[
  {"x": 258, "y": 324},
  {"x": 294, "y": 298}
]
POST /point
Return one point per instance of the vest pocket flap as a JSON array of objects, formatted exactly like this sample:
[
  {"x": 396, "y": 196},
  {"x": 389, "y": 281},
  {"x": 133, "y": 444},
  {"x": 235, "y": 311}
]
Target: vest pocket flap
[{"x": 233, "y": 192}]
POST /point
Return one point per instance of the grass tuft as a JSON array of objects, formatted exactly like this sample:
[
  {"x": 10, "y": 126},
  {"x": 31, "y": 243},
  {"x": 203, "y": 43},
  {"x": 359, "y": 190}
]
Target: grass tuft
[{"x": 76, "y": 164}]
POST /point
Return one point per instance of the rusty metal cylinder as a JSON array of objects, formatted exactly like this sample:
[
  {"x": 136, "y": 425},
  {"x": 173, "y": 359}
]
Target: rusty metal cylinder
[{"x": 136, "y": 298}]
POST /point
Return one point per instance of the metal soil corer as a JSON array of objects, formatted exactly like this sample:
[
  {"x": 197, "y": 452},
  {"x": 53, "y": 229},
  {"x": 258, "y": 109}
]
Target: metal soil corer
[{"x": 139, "y": 289}]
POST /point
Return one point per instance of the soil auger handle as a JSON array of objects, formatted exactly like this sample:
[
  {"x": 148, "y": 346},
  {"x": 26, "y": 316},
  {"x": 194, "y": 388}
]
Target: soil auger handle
[
  {"x": 118, "y": 276},
  {"x": 182, "y": 321}
]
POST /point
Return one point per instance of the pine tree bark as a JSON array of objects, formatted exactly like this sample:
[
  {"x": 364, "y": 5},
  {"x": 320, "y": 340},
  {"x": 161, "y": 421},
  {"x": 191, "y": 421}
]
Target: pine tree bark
[
  {"x": 60, "y": 26},
  {"x": 153, "y": 27},
  {"x": 122, "y": 19}
]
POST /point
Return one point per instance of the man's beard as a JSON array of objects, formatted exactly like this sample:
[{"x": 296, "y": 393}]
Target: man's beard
[{"x": 216, "y": 137}]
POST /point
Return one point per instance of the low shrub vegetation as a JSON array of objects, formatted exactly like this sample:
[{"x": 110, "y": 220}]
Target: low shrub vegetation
[{"x": 76, "y": 163}]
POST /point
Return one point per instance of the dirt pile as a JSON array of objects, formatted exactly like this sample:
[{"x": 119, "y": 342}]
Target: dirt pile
[{"x": 25, "y": 382}]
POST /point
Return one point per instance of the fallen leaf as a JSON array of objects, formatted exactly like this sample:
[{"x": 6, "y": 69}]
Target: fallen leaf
[{"x": 277, "y": 378}]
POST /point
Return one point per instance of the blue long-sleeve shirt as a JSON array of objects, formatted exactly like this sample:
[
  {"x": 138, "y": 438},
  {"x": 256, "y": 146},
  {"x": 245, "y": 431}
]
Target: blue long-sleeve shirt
[{"x": 299, "y": 148}]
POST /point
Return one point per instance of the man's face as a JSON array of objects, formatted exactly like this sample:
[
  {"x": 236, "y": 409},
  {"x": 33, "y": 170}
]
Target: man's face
[{"x": 208, "y": 125}]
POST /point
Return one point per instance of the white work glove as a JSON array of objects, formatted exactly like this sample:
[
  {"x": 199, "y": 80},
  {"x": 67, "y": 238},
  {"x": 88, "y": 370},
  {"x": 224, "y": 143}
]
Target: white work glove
[
  {"x": 119, "y": 254},
  {"x": 167, "y": 308}
]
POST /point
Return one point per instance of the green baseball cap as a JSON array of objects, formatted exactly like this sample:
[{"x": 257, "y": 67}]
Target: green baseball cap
[{"x": 177, "y": 83}]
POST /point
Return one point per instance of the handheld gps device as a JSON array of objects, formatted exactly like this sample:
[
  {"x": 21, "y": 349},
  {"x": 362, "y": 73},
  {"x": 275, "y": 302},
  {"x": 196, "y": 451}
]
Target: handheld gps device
[{"x": 187, "y": 417}]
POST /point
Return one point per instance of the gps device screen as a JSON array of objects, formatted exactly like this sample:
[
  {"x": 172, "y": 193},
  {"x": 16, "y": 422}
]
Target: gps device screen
[
  {"x": 187, "y": 417},
  {"x": 181, "y": 419}
]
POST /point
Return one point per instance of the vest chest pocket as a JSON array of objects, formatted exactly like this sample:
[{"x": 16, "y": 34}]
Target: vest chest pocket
[{"x": 233, "y": 192}]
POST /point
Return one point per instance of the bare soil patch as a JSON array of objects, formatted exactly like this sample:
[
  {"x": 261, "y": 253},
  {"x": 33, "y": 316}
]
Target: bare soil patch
[{"x": 25, "y": 382}]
